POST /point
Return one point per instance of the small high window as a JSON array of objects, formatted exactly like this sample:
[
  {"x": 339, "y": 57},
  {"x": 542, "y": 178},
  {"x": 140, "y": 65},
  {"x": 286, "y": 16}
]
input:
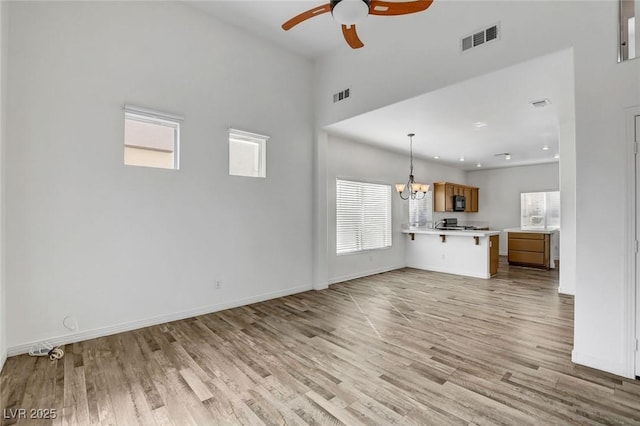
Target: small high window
[
  {"x": 247, "y": 154},
  {"x": 151, "y": 138}
]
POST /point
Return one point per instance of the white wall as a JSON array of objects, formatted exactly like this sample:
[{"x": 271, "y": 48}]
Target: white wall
[
  {"x": 420, "y": 53},
  {"x": 353, "y": 160},
  {"x": 3, "y": 128},
  {"x": 119, "y": 247},
  {"x": 500, "y": 193}
]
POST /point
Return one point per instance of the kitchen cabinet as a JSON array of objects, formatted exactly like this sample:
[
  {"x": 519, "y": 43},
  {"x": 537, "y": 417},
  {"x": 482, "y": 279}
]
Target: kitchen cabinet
[
  {"x": 529, "y": 249},
  {"x": 447, "y": 201},
  {"x": 443, "y": 193},
  {"x": 474, "y": 200},
  {"x": 494, "y": 254},
  {"x": 467, "y": 196}
]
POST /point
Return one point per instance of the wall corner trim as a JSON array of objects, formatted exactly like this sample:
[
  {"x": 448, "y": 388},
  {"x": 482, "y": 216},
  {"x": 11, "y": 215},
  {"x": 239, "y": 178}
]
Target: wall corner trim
[
  {"x": 566, "y": 291},
  {"x": 619, "y": 369},
  {"x": 321, "y": 286}
]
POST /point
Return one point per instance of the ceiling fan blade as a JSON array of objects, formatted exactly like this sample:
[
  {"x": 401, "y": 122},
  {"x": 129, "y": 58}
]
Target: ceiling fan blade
[
  {"x": 306, "y": 15},
  {"x": 351, "y": 36},
  {"x": 386, "y": 8}
]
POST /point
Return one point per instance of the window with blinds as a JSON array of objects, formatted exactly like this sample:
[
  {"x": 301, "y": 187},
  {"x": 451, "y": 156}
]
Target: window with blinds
[
  {"x": 363, "y": 216},
  {"x": 540, "y": 210}
]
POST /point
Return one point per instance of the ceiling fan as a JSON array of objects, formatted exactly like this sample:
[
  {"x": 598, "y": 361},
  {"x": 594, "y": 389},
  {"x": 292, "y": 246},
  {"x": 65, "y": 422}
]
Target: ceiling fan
[{"x": 349, "y": 12}]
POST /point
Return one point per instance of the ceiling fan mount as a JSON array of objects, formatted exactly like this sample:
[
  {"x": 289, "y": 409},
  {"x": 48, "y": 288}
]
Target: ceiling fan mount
[{"x": 350, "y": 12}]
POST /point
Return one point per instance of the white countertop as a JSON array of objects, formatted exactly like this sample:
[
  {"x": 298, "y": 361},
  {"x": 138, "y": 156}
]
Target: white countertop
[
  {"x": 431, "y": 231},
  {"x": 532, "y": 231}
]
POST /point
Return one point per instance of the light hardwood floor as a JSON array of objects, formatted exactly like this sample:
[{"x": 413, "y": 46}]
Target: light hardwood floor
[{"x": 403, "y": 347}]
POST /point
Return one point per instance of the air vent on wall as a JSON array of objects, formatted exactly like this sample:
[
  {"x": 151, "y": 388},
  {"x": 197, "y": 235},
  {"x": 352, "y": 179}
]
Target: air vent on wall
[
  {"x": 341, "y": 96},
  {"x": 480, "y": 37}
]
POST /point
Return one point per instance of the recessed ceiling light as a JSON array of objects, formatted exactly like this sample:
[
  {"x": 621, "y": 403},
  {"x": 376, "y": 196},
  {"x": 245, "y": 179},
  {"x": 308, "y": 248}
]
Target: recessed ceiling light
[
  {"x": 478, "y": 165},
  {"x": 540, "y": 103},
  {"x": 507, "y": 157},
  {"x": 480, "y": 124},
  {"x": 461, "y": 158},
  {"x": 545, "y": 148},
  {"x": 556, "y": 156},
  {"x": 436, "y": 157}
]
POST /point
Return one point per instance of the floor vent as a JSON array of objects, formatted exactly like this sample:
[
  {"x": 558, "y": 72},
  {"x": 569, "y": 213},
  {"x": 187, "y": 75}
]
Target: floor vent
[{"x": 481, "y": 37}]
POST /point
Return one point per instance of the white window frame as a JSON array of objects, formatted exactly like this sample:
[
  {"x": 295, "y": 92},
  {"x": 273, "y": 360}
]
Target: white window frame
[
  {"x": 360, "y": 232},
  {"x": 156, "y": 117},
  {"x": 421, "y": 211},
  {"x": 236, "y": 135},
  {"x": 545, "y": 214}
]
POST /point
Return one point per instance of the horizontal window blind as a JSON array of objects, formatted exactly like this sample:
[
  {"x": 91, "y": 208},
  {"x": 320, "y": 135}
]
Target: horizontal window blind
[{"x": 363, "y": 216}]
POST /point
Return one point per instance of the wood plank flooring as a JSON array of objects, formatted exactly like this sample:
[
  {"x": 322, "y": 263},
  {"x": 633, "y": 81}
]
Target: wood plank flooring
[{"x": 406, "y": 347}]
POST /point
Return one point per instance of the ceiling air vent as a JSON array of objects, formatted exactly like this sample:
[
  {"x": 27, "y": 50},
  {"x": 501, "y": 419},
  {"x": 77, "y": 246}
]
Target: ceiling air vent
[
  {"x": 541, "y": 103},
  {"x": 480, "y": 37}
]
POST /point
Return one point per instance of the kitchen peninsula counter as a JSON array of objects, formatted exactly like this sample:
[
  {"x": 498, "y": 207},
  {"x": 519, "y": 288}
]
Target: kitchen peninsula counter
[{"x": 472, "y": 253}]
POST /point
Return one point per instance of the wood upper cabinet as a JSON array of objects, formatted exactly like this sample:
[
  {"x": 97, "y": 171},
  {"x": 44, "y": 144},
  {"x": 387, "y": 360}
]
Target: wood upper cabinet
[
  {"x": 467, "y": 196},
  {"x": 474, "y": 200},
  {"x": 447, "y": 199},
  {"x": 443, "y": 193}
]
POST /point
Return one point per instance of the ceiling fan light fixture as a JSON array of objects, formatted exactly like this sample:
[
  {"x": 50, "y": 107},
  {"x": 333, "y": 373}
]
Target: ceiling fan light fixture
[{"x": 350, "y": 12}]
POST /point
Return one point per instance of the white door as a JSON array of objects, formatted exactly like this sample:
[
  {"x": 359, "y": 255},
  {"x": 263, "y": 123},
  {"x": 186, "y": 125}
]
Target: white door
[{"x": 637, "y": 268}]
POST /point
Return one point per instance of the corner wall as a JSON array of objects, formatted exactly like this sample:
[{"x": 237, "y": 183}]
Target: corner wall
[{"x": 118, "y": 247}]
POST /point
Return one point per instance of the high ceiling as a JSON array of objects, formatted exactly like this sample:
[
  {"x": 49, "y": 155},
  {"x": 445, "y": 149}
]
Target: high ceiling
[
  {"x": 312, "y": 38},
  {"x": 446, "y": 121},
  {"x": 475, "y": 119}
]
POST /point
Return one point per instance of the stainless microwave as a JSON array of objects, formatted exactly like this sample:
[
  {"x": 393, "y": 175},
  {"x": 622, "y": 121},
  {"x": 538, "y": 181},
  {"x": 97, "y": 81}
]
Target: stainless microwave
[{"x": 459, "y": 203}]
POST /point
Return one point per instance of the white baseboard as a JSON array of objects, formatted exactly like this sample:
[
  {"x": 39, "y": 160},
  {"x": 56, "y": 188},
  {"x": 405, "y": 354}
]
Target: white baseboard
[
  {"x": 24, "y": 348},
  {"x": 365, "y": 273},
  {"x": 566, "y": 291},
  {"x": 464, "y": 273},
  {"x": 601, "y": 364},
  {"x": 321, "y": 286}
]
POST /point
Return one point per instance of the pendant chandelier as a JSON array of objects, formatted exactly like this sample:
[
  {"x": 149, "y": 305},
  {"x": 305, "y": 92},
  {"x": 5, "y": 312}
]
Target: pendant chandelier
[{"x": 412, "y": 189}]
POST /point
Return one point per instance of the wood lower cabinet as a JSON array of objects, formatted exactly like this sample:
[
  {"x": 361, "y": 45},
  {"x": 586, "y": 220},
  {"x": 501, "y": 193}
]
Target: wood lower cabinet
[
  {"x": 494, "y": 253},
  {"x": 530, "y": 249},
  {"x": 443, "y": 193}
]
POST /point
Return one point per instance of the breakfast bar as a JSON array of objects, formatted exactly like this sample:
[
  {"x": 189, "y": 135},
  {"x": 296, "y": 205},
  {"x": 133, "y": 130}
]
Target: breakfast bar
[{"x": 470, "y": 253}]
